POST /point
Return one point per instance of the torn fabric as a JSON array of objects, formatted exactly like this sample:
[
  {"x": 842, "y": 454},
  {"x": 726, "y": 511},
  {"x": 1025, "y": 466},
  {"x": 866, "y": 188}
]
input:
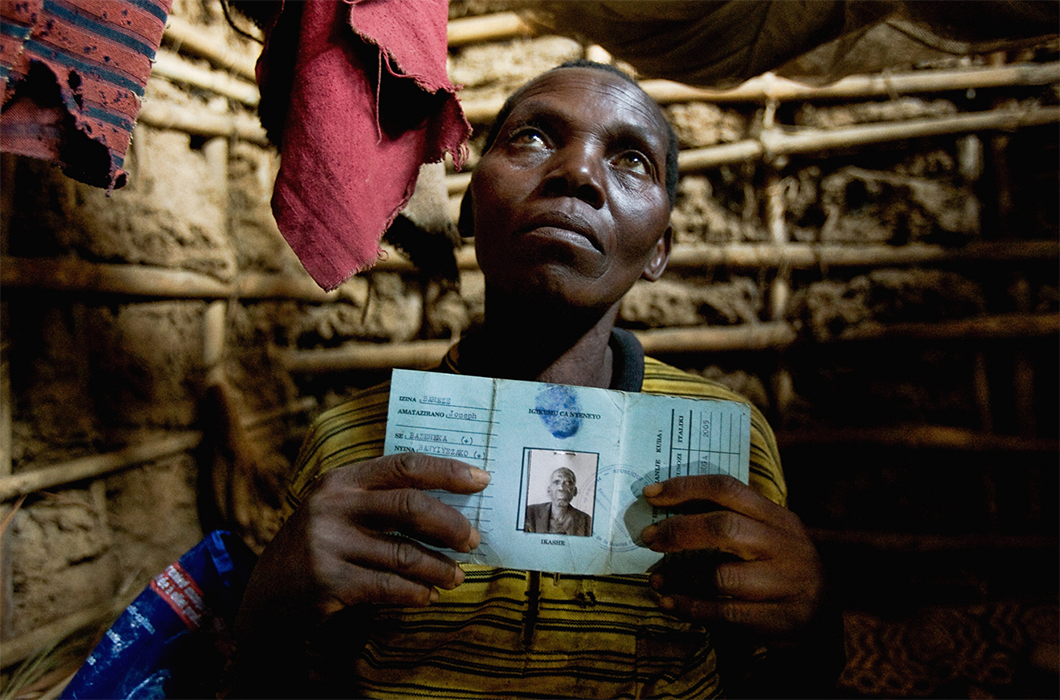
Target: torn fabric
[
  {"x": 366, "y": 100},
  {"x": 73, "y": 74}
]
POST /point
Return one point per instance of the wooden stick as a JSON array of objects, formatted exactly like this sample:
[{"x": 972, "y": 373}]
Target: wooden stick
[
  {"x": 25, "y": 645},
  {"x": 495, "y": 27},
  {"x": 366, "y": 356},
  {"x": 189, "y": 38},
  {"x": 916, "y": 437},
  {"x": 95, "y": 466},
  {"x": 809, "y": 255},
  {"x": 171, "y": 66},
  {"x": 749, "y": 337},
  {"x": 776, "y": 143},
  {"x": 202, "y": 122},
  {"x": 916, "y": 542},
  {"x": 71, "y": 275},
  {"x": 986, "y": 327},
  {"x": 768, "y": 86},
  {"x": 759, "y": 336},
  {"x": 759, "y": 256}
]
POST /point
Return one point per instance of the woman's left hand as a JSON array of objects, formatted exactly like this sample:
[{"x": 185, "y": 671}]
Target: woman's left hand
[{"x": 733, "y": 556}]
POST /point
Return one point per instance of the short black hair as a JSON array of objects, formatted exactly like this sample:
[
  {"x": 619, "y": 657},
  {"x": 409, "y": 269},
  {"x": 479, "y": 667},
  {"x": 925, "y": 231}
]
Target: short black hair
[{"x": 513, "y": 99}]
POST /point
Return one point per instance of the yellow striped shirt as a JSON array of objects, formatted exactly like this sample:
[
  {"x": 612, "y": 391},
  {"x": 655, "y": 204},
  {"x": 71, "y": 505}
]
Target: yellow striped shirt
[{"x": 509, "y": 633}]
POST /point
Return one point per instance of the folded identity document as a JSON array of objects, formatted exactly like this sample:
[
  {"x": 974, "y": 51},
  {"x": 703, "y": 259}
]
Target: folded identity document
[{"x": 567, "y": 463}]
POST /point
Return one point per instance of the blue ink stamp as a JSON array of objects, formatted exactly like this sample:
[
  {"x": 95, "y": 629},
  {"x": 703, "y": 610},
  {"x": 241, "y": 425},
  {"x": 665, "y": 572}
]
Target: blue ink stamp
[{"x": 557, "y": 407}]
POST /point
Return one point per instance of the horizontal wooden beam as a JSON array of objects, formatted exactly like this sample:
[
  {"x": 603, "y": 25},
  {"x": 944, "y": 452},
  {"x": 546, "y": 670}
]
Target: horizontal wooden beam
[
  {"x": 804, "y": 256},
  {"x": 32, "y": 478},
  {"x": 775, "y": 142},
  {"x": 493, "y": 27},
  {"x": 418, "y": 354},
  {"x": 188, "y": 38},
  {"x": 985, "y": 327},
  {"x": 928, "y": 543},
  {"x": 916, "y": 437},
  {"x": 72, "y": 275},
  {"x": 775, "y": 335},
  {"x": 199, "y": 121},
  {"x": 172, "y": 66},
  {"x": 768, "y": 87},
  {"x": 754, "y": 336}
]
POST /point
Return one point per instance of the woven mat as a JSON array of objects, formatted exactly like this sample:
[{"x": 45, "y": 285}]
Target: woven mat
[{"x": 989, "y": 650}]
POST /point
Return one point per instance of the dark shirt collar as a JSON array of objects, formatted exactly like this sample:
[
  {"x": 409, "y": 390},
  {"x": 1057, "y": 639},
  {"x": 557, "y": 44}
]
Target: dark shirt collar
[{"x": 627, "y": 363}]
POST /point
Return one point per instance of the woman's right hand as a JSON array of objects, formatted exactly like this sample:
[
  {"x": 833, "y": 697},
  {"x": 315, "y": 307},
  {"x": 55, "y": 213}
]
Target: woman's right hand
[{"x": 356, "y": 539}]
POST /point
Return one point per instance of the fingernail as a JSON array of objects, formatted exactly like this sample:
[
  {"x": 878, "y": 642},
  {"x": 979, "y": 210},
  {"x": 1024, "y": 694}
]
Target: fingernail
[
  {"x": 474, "y": 540},
  {"x": 459, "y": 576},
  {"x": 656, "y": 581},
  {"x": 666, "y": 603},
  {"x": 434, "y": 595},
  {"x": 652, "y": 490},
  {"x": 479, "y": 476},
  {"x": 649, "y": 533}
]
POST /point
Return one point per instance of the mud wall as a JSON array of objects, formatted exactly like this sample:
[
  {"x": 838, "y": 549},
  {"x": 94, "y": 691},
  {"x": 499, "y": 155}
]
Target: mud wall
[{"x": 889, "y": 301}]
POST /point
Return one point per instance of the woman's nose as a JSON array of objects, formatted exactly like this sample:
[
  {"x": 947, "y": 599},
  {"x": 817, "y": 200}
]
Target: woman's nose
[{"x": 578, "y": 171}]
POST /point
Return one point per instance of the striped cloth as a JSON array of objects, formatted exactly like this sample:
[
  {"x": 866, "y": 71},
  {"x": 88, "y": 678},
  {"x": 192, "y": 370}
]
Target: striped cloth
[
  {"x": 73, "y": 73},
  {"x": 507, "y": 633}
]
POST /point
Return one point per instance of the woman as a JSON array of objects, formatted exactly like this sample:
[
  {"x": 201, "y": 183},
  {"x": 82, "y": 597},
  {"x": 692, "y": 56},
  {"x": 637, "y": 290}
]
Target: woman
[{"x": 569, "y": 206}]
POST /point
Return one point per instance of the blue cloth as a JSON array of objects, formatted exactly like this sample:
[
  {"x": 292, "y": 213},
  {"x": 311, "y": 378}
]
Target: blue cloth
[{"x": 173, "y": 640}]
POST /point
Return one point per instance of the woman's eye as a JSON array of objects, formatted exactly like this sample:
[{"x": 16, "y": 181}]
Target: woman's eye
[
  {"x": 634, "y": 162},
  {"x": 531, "y": 138}
]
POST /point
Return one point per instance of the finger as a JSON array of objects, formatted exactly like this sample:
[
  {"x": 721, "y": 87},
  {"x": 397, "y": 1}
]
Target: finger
[
  {"x": 719, "y": 489},
  {"x": 717, "y": 531},
  {"x": 750, "y": 581},
  {"x": 363, "y": 584},
  {"x": 407, "y": 559},
  {"x": 767, "y": 617},
  {"x": 414, "y": 513},
  {"x": 414, "y": 470}
]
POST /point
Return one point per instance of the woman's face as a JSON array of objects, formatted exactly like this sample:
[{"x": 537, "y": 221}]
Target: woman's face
[{"x": 570, "y": 202}]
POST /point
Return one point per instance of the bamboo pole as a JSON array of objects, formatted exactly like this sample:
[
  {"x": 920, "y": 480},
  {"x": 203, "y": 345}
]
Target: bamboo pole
[
  {"x": 926, "y": 543},
  {"x": 493, "y": 27},
  {"x": 72, "y": 275},
  {"x": 9, "y": 167},
  {"x": 171, "y": 66},
  {"x": 986, "y": 327},
  {"x": 22, "y": 647},
  {"x": 760, "y": 256},
  {"x": 768, "y": 86},
  {"x": 96, "y": 466},
  {"x": 366, "y": 356},
  {"x": 773, "y": 144},
  {"x": 759, "y": 336},
  {"x": 917, "y": 437},
  {"x": 202, "y": 122},
  {"x": 774, "y": 335},
  {"x": 188, "y": 38}
]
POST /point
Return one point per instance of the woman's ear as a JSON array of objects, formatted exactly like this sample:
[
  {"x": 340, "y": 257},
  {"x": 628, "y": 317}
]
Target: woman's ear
[
  {"x": 657, "y": 263},
  {"x": 465, "y": 223}
]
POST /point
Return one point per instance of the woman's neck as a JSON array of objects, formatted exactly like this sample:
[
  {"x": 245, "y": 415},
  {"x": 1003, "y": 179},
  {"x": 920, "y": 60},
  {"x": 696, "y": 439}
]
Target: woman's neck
[{"x": 556, "y": 347}]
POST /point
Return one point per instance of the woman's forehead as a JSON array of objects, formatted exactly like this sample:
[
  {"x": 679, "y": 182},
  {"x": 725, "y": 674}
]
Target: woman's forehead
[{"x": 571, "y": 87}]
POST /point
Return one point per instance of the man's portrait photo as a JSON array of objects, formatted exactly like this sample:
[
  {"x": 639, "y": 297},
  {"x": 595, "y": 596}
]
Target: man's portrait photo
[{"x": 562, "y": 489}]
